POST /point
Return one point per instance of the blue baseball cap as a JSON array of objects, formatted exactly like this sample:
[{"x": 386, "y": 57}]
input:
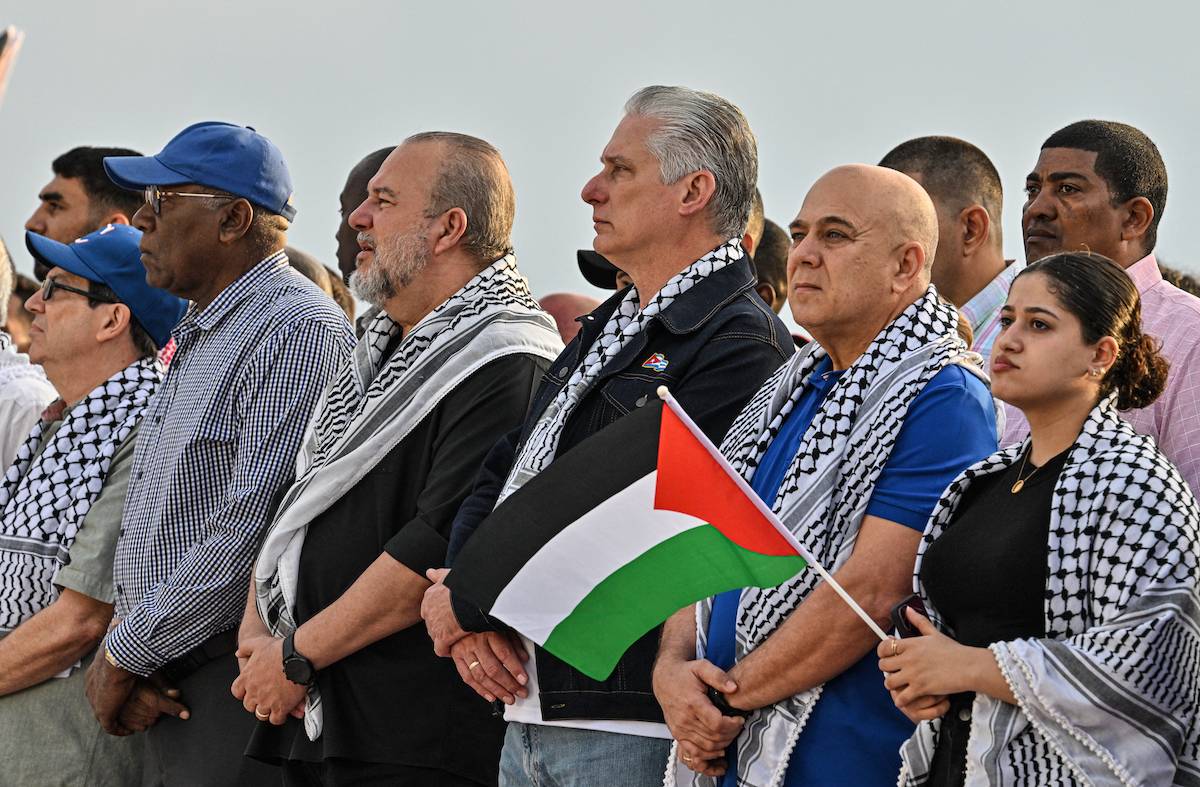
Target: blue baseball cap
[
  {"x": 111, "y": 256},
  {"x": 236, "y": 159}
]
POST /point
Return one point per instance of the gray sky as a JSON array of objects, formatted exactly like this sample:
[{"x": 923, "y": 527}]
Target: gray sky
[{"x": 545, "y": 82}]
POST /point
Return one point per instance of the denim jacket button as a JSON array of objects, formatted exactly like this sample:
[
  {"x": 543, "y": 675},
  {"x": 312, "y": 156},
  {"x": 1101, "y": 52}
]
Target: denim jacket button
[{"x": 641, "y": 400}]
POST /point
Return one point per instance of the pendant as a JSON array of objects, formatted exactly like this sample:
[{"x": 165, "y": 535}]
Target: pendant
[{"x": 1017, "y": 487}]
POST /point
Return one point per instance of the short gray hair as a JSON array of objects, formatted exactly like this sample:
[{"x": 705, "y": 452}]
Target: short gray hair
[
  {"x": 473, "y": 177},
  {"x": 702, "y": 131}
]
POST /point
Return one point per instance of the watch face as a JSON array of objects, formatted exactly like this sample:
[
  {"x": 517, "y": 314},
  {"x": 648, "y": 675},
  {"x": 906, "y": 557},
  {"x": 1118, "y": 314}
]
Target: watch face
[{"x": 298, "y": 670}]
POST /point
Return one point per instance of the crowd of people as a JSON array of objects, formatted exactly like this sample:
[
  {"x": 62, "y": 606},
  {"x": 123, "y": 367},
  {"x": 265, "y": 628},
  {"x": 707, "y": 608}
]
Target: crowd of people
[{"x": 230, "y": 510}]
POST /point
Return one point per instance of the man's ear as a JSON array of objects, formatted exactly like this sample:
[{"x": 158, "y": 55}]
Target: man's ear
[
  {"x": 909, "y": 266},
  {"x": 699, "y": 188},
  {"x": 767, "y": 293},
  {"x": 1139, "y": 214},
  {"x": 115, "y": 322},
  {"x": 116, "y": 217},
  {"x": 976, "y": 227},
  {"x": 448, "y": 230},
  {"x": 748, "y": 243},
  {"x": 235, "y": 220}
]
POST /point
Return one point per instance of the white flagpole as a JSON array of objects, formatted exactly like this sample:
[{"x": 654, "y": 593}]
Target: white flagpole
[{"x": 763, "y": 509}]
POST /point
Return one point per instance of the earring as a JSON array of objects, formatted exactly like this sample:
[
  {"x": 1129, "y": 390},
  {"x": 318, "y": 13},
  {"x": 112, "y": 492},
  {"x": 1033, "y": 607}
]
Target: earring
[{"x": 1094, "y": 372}]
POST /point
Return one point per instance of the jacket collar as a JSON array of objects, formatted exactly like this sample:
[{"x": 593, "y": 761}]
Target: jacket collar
[{"x": 687, "y": 313}]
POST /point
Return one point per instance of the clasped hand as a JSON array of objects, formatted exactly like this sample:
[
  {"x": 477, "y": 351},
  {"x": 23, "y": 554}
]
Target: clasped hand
[
  {"x": 262, "y": 686},
  {"x": 702, "y": 731}
]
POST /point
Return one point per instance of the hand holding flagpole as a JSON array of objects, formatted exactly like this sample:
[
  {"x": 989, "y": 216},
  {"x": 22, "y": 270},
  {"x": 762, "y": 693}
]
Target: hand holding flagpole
[{"x": 765, "y": 510}]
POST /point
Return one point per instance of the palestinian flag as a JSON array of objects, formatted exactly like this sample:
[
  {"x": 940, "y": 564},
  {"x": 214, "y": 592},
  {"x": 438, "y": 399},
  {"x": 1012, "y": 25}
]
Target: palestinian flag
[{"x": 638, "y": 521}]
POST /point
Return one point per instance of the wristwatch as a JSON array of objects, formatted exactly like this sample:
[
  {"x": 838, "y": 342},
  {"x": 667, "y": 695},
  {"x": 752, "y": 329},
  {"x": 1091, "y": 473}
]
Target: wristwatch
[
  {"x": 296, "y": 667},
  {"x": 720, "y": 703}
]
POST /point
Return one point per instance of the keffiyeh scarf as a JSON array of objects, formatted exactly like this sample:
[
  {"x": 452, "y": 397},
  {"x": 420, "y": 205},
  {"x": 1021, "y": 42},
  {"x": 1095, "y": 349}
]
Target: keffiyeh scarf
[
  {"x": 372, "y": 404},
  {"x": 626, "y": 322},
  {"x": 45, "y": 496},
  {"x": 1111, "y": 695},
  {"x": 824, "y": 495}
]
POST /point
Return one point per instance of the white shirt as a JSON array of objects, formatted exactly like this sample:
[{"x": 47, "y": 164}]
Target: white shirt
[{"x": 24, "y": 394}]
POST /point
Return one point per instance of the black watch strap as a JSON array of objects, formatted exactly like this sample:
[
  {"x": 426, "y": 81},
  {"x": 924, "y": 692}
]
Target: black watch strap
[
  {"x": 720, "y": 703},
  {"x": 296, "y": 667}
]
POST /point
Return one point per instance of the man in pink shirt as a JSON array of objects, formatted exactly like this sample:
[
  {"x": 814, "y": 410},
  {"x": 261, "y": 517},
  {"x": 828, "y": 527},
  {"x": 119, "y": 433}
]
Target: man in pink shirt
[{"x": 1102, "y": 186}]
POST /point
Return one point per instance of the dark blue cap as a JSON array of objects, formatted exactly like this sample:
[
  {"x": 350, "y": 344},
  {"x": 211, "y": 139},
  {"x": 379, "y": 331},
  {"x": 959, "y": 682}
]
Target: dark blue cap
[
  {"x": 111, "y": 256},
  {"x": 236, "y": 159}
]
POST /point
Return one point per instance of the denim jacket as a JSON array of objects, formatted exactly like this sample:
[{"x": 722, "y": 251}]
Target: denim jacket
[{"x": 720, "y": 341}]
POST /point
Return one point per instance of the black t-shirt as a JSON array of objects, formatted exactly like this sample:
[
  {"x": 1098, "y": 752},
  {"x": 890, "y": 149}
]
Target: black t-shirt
[
  {"x": 395, "y": 701},
  {"x": 986, "y": 576}
]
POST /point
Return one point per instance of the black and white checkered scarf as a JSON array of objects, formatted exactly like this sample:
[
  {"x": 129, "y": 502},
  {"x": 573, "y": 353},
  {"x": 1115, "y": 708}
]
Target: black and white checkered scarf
[
  {"x": 1111, "y": 694},
  {"x": 371, "y": 405},
  {"x": 626, "y": 322},
  {"x": 45, "y": 497},
  {"x": 824, "y": 495}
]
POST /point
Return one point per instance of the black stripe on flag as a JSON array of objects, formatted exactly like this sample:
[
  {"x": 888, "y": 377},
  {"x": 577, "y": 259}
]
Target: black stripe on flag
[{"x": 599, "y": 467}]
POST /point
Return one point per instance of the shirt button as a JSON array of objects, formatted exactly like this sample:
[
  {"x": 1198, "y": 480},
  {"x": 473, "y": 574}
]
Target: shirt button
[
  {"x": 964, "y": 714},
  {"x": 563, "y": 372},
  {"x": 641, "y": 401}
]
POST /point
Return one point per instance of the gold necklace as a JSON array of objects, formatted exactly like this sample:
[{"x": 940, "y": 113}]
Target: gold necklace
[{"x": 1020, "y": 484}]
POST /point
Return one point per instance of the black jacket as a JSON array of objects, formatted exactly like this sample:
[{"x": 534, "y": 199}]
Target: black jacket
[{"x": 720, "y": 342}]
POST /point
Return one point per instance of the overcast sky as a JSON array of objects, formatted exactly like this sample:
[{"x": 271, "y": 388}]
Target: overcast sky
[{"x": 545, "y": 83}]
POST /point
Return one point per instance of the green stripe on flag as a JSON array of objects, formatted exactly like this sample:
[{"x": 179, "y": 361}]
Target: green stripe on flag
[{"x": 685, "y": 568}]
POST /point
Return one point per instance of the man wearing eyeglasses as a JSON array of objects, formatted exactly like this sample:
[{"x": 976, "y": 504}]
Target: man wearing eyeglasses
[
  {"x": 255, "y": 350},
  {"x": 96, "y": 328}
]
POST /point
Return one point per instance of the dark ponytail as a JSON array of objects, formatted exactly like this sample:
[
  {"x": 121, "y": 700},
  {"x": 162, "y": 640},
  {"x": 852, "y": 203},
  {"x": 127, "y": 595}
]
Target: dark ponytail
[{"x": 1105, "y": 301}]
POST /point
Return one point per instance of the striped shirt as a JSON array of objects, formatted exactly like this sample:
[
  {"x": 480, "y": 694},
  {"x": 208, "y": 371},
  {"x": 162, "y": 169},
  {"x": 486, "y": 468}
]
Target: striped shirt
[
  {"x": 216, "y": 443},
  {"x": 983, "y": 310},
  {"x": 1173, "y": 420}
]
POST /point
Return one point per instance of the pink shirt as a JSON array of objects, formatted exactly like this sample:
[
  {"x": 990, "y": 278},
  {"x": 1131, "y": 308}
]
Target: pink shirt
[{"x": 1172, "y": 316}]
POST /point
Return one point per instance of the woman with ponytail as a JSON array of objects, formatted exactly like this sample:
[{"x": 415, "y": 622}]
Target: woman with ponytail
[{"x": 1061, "y": 640}]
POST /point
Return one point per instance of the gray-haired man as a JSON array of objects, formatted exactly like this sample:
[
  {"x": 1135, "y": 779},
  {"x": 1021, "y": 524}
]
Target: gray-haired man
[{"x": 669, "y": 206}]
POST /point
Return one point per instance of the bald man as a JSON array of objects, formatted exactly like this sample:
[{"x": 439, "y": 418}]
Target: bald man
[
  {"x": 566, "y": 308},
  {"x": 853, "y": 472}
]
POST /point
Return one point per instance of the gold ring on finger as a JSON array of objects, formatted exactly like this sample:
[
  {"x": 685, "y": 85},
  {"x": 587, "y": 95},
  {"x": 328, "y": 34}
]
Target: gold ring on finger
[
  {"x": 895, "y": 647},
  {"x": 261, "y": 716},
  {"x": 472, "y": 665}
]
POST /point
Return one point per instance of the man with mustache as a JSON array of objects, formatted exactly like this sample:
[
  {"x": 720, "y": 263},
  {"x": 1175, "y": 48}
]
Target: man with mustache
[
  {"x": 448, "y": 362},
  {"x": 1101, "y": 186}
]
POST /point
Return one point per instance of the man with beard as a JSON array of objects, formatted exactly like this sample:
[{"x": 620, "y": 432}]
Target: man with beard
[
  {"x": 670, "y": 207},
  {"x": 446, "y": 367}
]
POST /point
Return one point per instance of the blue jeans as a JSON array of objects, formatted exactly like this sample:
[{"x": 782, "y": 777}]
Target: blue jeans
[{"x": 541, "y": 756}]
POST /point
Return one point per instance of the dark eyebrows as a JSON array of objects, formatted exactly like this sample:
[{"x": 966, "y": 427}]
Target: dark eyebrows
[
  {"x": 50, "y": 196},
  {"x": 1056, "y": 177},
  {"x": 1008, "y": 309},
  {"x": 799, "y": 223}
]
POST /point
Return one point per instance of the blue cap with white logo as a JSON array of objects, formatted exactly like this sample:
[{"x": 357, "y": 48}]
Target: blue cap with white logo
[
  {"x": 235, "y": 159},
  {"x": 111, "y": 256}
]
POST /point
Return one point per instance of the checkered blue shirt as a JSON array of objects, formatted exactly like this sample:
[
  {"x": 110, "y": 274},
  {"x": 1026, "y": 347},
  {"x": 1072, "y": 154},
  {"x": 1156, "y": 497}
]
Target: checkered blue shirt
[{"x": 215, "y": 444}]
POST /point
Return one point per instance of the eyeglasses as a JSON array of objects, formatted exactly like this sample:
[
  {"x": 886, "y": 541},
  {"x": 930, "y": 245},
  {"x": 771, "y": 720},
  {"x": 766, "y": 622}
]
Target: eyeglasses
[
  {"x": 154, "y": 195},
  {"x": 50, "y": 285}
]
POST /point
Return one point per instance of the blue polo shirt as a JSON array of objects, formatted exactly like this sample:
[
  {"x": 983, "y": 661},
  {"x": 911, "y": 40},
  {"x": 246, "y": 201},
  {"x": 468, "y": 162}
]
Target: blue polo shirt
[{"x": 854, "y": 733}]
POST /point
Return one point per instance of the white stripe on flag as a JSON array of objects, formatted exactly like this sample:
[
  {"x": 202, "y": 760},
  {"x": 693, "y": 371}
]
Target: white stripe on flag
[{"x": 583, "y": 554}]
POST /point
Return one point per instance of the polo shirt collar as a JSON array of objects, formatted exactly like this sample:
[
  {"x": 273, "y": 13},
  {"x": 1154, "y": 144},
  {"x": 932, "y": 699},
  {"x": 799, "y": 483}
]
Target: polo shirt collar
[{"x": 987, "y": 302}]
